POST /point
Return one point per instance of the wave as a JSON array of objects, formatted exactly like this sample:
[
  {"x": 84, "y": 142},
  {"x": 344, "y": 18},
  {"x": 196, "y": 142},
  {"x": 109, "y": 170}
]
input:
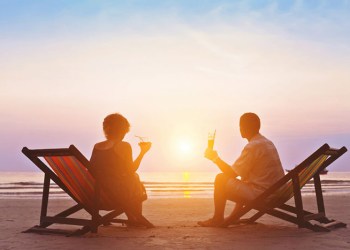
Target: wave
[
  {"x": 30, "y": 193},
  {"x": 32, "y": 189},
  {"x": 184, "y": 183},
  {"x": 23, "y": 183}
]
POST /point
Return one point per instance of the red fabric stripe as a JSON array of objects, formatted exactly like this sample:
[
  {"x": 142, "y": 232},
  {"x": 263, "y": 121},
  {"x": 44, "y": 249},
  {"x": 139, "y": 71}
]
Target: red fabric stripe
[
  {"x": 64, "y": 171},
  {"x": 77, "y": 178},
  {"x": 61, "y": 173}
]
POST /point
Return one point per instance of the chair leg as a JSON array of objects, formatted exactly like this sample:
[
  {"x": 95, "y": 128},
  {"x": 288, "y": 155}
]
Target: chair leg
[
  {"x": 319, "y": 197},
  {"x": 95, "y": 218},
  {"x": 45, "y": 198},
  {"x": 64, "y": 213},
  {"x": 99, "y": 220},
  {"x": 110, "y": 217},
  {"x": 256, "y": 216},
  {"x": 94, "y": 229},
  {"x": 298, "y": 201}
]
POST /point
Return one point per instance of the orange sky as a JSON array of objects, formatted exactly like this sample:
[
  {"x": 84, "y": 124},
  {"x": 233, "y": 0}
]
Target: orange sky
[{"x": 175, "y": 84}]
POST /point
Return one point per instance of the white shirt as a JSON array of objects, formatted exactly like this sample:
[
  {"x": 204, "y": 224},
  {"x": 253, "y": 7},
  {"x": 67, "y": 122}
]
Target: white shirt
[{"x": 259, "y": 163}]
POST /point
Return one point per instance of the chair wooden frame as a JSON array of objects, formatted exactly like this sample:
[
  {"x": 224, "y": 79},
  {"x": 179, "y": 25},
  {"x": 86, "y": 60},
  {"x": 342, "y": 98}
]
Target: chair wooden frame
[
  {"x": 294, "y": 214},
  {"x": 88, "y": 225}
]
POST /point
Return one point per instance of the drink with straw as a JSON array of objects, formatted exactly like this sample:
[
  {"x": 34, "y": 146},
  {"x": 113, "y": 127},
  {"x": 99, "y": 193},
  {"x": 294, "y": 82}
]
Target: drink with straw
[
  {"x": 144, "y": 142},
  {"x": 211, "y": 139},
  {"x": 142, "y": 139}
]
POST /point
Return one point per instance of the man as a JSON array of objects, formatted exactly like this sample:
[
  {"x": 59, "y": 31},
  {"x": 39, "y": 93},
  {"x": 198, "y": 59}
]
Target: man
[{"x": 259, "y": 167}]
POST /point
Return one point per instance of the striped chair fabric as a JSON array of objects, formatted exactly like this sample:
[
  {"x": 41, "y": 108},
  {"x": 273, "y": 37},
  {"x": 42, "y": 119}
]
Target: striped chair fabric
[
  {"x": 77, "y": 179},
  {"x": 286, "y": 192}
]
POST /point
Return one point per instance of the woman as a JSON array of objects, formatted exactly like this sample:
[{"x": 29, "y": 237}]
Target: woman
[{"x": 114, "y": 169}]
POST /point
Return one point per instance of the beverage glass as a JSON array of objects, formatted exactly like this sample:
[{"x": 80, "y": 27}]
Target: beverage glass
[
  {"x": 143, "y": 140},
  {"x": 211, "y": 139}
]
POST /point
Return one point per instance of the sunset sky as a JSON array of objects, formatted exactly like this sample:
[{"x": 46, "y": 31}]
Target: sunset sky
[{"x": 177, "y": 70}]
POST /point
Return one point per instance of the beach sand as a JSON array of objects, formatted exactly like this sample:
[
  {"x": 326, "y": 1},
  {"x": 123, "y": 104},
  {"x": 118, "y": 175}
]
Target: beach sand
[{"x": 176, "y": 228}]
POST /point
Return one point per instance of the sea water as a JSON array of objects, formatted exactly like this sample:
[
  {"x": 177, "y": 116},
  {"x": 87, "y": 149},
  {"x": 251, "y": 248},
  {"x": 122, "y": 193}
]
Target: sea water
[{"x": 14, "y": 185}]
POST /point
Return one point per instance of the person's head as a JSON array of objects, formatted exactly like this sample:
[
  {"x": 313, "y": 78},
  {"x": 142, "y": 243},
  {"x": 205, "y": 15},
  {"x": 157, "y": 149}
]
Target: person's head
[
  {"x": 115, "y": 126},
  {"x": 249, "y": 125}
]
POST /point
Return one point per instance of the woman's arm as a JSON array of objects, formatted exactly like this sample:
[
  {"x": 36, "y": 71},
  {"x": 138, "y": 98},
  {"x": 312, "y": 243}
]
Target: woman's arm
[
  {"x": 126, "y": 150},
  {"x": 145, "y": 147}
]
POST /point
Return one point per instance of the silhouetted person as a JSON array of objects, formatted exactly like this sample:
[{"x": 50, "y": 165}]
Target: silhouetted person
[
  {"x": 112, "y": 165},
  {"x": 259, "y": 167}
]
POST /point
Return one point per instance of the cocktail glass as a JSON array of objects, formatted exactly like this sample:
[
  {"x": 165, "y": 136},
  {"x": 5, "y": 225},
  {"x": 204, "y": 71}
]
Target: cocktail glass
[
  {"x": 211, "y": 139},
  {"x": 143, "y": 140}
]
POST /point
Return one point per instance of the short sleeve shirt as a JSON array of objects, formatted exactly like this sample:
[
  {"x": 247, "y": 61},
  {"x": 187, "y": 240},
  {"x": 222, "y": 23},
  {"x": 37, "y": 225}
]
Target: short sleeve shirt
[{"x": 259, "y": 163}]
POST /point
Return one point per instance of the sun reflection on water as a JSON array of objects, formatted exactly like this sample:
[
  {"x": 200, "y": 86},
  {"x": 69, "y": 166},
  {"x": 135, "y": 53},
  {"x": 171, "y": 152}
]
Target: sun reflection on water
[{"x": 186, "y": 178}]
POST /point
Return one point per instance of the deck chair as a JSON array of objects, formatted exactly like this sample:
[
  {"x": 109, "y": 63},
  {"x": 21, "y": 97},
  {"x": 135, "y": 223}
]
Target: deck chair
[
  {"x": 68, "y": 168},
  {"x": 273, "y": 201}
]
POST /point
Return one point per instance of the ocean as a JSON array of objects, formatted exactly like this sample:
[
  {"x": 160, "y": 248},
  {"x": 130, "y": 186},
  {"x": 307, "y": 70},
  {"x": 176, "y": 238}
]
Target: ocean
[{"x": 28, "y": 185}]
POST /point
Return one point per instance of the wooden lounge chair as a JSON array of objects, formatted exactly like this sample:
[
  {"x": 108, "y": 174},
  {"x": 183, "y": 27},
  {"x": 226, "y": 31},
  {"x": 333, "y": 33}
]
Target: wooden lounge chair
[
  {"x": 273, "y": 200},
  {"x": 68, "y": 168}
]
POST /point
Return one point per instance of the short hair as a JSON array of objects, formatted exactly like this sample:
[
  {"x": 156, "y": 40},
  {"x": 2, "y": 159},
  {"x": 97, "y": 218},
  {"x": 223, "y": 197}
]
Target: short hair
[
  {"x": 115, "y": 124},
  {"x": 250, "y": 122}
]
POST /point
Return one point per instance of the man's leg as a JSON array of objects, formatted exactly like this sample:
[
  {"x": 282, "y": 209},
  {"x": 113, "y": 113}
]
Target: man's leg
[
  {"x": 220, "y": 196},
  {"x": 240, "y": 193},
  {"x": 238, "y": 207},
  {"x": 219, "y": 202}
]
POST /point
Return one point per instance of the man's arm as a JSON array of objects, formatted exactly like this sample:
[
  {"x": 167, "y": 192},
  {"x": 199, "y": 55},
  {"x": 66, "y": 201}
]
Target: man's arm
[{"x": 224, "y": 167}]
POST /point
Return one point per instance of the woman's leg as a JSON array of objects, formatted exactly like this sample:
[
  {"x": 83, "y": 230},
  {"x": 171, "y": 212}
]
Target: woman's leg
[{"x": 136, "y": 199}]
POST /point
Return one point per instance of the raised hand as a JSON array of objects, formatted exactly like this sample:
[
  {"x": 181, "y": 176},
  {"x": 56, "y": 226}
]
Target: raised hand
[
  {"x": 145, "y": 147},
  {"x": 211, "y": 154}
]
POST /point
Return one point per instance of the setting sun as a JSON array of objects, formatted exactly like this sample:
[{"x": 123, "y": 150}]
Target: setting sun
[{"x": 185, "y": 147}]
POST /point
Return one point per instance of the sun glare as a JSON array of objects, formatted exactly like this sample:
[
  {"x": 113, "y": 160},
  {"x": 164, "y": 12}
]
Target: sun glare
[{"x": 185, "y": 147}]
